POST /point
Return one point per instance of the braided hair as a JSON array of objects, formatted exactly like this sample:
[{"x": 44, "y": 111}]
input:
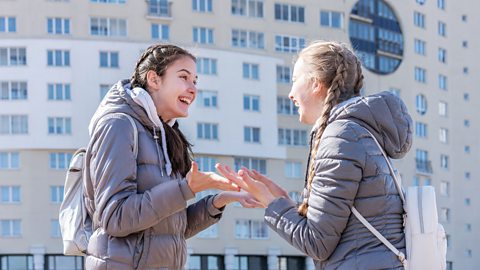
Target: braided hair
[
  {"x": 337, "y": 67},
  {"x": 158, "y": 58}
]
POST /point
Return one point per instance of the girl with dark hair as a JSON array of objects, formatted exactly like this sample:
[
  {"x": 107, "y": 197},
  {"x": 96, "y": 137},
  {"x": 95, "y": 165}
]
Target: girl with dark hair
[
  {"x": 138, "y": 204},
  {"x": 345, "y": 167}
]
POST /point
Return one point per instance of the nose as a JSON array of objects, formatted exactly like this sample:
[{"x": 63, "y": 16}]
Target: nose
[
  {"x": 290, "y": 94},
  {"x": 192, "y": 89}
]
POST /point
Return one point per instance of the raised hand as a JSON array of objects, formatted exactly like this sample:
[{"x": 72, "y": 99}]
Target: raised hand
[
  {"x": 199, "y": 181},
  {"x": 275, "y": 189},
  {"x": 258, "y": 189},
  {"x": 244, "y": 198}
]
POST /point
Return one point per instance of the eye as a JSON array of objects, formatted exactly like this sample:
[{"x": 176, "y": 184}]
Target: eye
[{"x": 185, "y": 77}]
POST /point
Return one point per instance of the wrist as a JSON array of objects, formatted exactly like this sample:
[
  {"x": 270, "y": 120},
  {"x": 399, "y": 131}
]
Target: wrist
[{"x": 219, "y": 201}]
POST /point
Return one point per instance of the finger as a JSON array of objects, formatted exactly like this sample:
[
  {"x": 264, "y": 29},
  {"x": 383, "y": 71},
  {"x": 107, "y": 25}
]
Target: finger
[
  {"x": 194, "y": 167},
  {"x": 250, "y": 173},
  {"x": 225, "y": 172}
]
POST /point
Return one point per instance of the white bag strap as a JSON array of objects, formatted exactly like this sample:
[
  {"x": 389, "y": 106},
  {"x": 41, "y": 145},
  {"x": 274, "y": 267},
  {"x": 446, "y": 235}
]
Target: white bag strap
[{"x": 380, "y": 237}]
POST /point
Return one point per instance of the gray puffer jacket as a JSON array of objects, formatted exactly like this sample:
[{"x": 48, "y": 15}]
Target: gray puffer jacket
[
  {"x": 141, "y": 216},
  {"x": 351, "y": 171}
]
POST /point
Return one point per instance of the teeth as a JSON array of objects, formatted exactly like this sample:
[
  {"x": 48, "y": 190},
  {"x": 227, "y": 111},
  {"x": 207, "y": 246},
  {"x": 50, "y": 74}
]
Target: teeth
[{"x": 186, "y": 100}]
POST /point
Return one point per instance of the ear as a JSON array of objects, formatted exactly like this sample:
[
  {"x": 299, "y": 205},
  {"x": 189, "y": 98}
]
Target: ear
[
  {"x": 318, "y": 87},
  {"x": 153, "y": 80}
]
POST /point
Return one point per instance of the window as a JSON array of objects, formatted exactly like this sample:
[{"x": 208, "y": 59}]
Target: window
[
  {"x": 467, "y": 201},
  {"x": 449, "y": 243},
  {"x": 441, "y": 4},
  {"x": 103, "y": 90},
  {"x": 58, "y": 26},
  {"x": 109, "y": 59},
  {"x": 466, "y": 96},
  {"x": 442, "y": 55},
  {"x": 9, "y": 160},
  {"x": 445, "y": 214},
  {"x": 13, "y": 124},
  {"x": 289, "y": 13},
  {"x": 285, "y": 106},
  {"x": 202, "y": 35},
  {"x": 464, "y": 18},
  {"x": 420, "y": 75},
  {"x": 465, "y": 70},
  {"x": 250, "y": 229},
  {"x": 465, "y": 44},
  {"x": 423, "y": 164},
  {"x": 12, "y": 90},
  {"x": 444, "y": 161},
  {"x": 207, "y": 131},
  {"x": 159, "y": 8},
  {"x": 466, "y": 123},
  {"x": 202, "y": 5},
  {"x": 421, "y": 104},
  {"x": 206, "y": 163},
  {"x": 58, "y": 58},
  {"x": 445, "y": 188},
  {"x": 207, "y": 66},
  {"x": 9, "y": 194},
  {"x": 59, "y": 125},
  {"x": 8, "y": 24},
  {"x": 419, "y": 19},
  {"x": 292, "y": 137},
  {"x": 57, "y": 262},
  {"x": 293, "y": 169},
  {"x": 10, "y": 228},
  {"x": 60, "y": 160},
  {"x": 284, "y": 74},
  {"x": 442, "y": 82},
  {"x": 442, "y": 29},
  {"x": 251, "y": 103},
  {"x": 420, "y": 2},
  {"x": 206, "y": 262},
  {"x": 443, "y": 135},
  {"x": 108, "y": 27},
  {"x": 291, "y": 262},
  {"x": 420, "y": 46},
  {"x": 289, "y": 43},
  {"x": 250, "y": 71},
  {"x": 55, "y": 228},
  {"x": 442, "y": 108},
  {"x": 468, "y": 227},
  {"x": 59, "y": 91},
  {"x": 466, "y": 149},
  {"x": 257, "y": 262},
  {"x": 257, "y": 164},
  {"x": 248, "y": 8},
  {"x": 13, "y": 56},
  {"x": 248, "y": 39},
  {"x": 210, "y": 232},
  {"x": 56, "y": 194},
  {"x": 467, "y": 175},
  {"x": 421, "y": 129},
  {"x": 251, "y": 134},
  {"x": 207, "y": 99},
  {"x": 331, "y": 19},
  {"x": 160, "y": 31},
  {"x": 108, "y": 1}
]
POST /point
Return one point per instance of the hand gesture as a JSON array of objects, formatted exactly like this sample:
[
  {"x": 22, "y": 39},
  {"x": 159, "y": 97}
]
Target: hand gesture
[
  {"x": 275, "y": 189},
  {"x": 244, "y": 198},
  {"x": 258, "y": 189},
  {"x": 199, "y": 181}
]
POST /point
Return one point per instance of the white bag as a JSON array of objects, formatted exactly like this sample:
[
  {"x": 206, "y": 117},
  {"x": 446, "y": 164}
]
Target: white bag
[
  {"x": 75, "y": 222},
  {"x": 425, "y": 238}
]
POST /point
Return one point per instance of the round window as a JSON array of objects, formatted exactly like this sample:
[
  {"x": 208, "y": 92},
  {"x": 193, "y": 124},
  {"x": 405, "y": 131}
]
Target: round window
[{"x": 376, "y": 35}]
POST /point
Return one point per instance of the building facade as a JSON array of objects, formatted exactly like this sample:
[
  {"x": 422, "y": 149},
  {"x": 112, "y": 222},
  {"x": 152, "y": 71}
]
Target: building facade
[{"x": 58, "y": 58}]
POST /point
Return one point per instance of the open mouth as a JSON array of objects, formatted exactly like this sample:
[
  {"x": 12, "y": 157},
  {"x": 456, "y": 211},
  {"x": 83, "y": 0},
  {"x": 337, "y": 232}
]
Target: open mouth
[{"x": 185, "y": 100}]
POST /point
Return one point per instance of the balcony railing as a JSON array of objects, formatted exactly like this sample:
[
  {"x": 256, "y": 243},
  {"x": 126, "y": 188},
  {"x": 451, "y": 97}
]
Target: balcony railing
[{"x": 424, "y": 166}]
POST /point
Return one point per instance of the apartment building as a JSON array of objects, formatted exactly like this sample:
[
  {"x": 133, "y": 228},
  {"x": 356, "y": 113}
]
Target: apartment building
[{"x": 58, "y": 58}]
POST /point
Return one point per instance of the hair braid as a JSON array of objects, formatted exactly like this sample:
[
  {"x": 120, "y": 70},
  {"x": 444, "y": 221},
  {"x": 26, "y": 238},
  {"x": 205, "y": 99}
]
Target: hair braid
[
  {"x": 358, "y": 86},
  {"x": 333, "y": 95}
]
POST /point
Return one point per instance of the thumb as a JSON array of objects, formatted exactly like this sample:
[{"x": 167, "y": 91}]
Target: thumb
[{"x": 194, "y": 167}]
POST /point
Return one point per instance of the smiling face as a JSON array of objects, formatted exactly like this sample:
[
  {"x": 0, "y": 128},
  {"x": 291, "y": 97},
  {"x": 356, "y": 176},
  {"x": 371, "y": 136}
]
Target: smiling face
[
  {"x": 175, "y": 91},
  {"x": 306, "y": 94}
]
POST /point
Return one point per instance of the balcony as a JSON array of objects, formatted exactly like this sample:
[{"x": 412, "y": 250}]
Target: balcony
[{"x": 424, "y": 166}]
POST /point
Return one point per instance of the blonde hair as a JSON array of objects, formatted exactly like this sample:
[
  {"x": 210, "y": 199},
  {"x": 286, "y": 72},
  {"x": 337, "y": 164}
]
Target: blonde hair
[{"x": 336, "y": 66}]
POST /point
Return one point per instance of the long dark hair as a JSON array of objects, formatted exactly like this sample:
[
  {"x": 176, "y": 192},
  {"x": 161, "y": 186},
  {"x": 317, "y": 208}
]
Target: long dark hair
[{"x": 158, "y": 58}]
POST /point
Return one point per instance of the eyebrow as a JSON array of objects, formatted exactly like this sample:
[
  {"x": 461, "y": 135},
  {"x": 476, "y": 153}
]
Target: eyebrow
[{"x": 189, "y": 73}]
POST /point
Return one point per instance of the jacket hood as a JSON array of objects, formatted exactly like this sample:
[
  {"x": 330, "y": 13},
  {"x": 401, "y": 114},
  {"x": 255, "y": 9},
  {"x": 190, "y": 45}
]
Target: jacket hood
[
  {"x": 384, "y": 115},
  {"x": 138, "y": 104}
]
